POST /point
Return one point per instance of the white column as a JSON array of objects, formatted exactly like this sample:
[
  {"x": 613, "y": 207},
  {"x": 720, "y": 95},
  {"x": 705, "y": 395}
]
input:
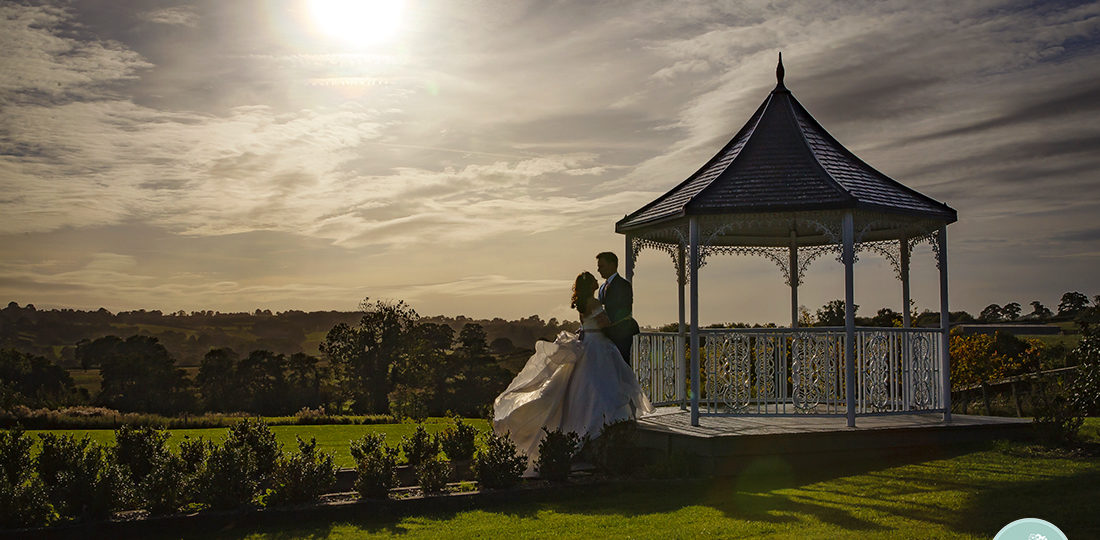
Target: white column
[
  {"x": 848, "y": 256},
  {"x": 693, "y": 233},
  {"x": 794, "y": 279},
  {"x": 905, "y": 300},
  {"x": 681, "y": 369},
  {"x": 629, "y": 253},
  {"x": 945, "y": 324}
]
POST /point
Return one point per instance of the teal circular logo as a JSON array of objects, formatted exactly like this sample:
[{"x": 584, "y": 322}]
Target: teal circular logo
[{"x": 1030, "y": 529}]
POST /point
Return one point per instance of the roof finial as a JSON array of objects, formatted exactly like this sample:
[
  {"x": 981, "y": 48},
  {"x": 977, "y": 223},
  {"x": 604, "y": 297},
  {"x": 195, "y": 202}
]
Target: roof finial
[{"x": 779, "y": 71}]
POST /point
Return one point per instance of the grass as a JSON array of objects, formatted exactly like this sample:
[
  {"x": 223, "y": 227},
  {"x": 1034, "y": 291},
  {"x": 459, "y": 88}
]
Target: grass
[
  {"x": 970, "y": 495},
  {"x": 330, "y": 438}
]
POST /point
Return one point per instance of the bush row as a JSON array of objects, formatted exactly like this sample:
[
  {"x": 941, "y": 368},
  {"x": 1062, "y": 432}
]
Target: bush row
[{"x": 76, "y": 479}]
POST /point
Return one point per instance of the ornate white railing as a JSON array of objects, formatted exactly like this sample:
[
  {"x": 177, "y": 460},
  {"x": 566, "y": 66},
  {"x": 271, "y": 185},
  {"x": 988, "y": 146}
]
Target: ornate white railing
[
  {"x": 658, "y": 361},
  {"x": 794, "y": 371}
]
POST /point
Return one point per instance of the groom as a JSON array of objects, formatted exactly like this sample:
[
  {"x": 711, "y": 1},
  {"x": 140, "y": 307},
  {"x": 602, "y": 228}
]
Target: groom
[{"x": 617, "y": 298}]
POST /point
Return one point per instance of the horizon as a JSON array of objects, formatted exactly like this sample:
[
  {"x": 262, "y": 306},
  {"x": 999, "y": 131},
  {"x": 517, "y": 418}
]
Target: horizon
[{"x": 471, "y": 160}]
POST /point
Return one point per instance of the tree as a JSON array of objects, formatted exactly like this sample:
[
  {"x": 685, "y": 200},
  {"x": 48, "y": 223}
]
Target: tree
[
  {"x": 1011, "y": 311},
  {"x": 361, "y": 355},
  {"x": 832, "y": 314},
  {"x": 262, "y": 376},
  {"x": 474, "y": 377},
  {"x": 1071, "y": 303},
  {"x": 886, "y": 317},
  {"x": 1039, "y": 311},
  {"x": 991, "y": 313},
  {"x": 139, "y": 375},
  {"x": 217, "y": 380},
  {"x": 32, "y": 380}
]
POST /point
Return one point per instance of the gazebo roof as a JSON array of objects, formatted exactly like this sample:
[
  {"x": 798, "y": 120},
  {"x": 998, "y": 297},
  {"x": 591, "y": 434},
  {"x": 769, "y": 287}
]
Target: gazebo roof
[{"x": 783, "y": 161}]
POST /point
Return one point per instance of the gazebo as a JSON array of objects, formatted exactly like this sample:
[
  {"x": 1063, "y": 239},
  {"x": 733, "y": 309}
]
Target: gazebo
[{"x": 784, "y": 189}]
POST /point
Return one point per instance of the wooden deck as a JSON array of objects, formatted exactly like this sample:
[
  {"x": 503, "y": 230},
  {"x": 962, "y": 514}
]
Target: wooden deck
[{"x": 723, "y": 444}]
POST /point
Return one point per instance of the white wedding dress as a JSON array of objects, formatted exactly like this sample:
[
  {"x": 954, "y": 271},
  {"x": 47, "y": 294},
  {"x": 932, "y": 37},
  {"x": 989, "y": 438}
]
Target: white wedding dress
[{"x": 570, "y": 384}]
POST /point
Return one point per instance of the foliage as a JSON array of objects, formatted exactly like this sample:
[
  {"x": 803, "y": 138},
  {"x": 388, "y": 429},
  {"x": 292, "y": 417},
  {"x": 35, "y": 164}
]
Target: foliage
[
  {"x": 361, "y": 355},
  {"x": 166, "y": 486},
  {"x": 137, "y": 448},
  {"x": 497, "y": 464},
  {"x": 23, "y": 500},
  {"x": 459, "y": 441},
  {"x": 80, "y": 480},
  {"x": 302, "y": 477},
  {"x": 158, "y": 475},
  {"x": 979, "y": 358},
  {"x": 556, "y": 452},
  {"x": 616, "y": 450},
  {"x": 1011, "y": 311},
  {"x": 420, "y": 447},
  {"x": 1072, "y": 303},
  {"x": 832, "y": 314},
  {"x": 193, "y": 452},
  {"x": 259, "y": 440},
  {"x": 375, "y": 466},
  {"x": 410, "y": 402},
  {"x": 32, "y": 380},
  {"x": 228, "y": 478},
  {"x": 1056, "y": 413},
  {"x": 991, "y": 313},
  {"x": 433, "y": 474},
  {"x": 1085, "y": 389},
  {"x": 137, "y": 374}
]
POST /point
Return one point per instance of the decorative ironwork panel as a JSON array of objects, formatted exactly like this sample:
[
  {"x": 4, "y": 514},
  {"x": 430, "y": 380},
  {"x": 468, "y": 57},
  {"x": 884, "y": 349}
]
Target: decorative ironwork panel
[
  {"x": 875, "y": 361},
  {"x": 922, "y": 370},
  {"x": 728, "y": 356}
]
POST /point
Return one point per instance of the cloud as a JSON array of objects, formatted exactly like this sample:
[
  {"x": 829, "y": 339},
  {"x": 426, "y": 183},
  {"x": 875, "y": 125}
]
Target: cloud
[
  {"x": 40, "y": 66},
  {"x": 176, "y": 15}
]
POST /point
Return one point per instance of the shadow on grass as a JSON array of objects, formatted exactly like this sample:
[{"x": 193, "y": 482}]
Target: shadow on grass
[
  {"x": 758, "y": 492},
  {"x": 972, "y": 490}
]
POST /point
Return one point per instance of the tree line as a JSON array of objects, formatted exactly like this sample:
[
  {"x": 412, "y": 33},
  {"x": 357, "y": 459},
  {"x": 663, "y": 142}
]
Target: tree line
[{"x": 389, "y": 362}]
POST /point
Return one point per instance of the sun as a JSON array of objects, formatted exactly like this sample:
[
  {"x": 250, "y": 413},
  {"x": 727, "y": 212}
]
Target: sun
[{"x": 358, "y": 22}]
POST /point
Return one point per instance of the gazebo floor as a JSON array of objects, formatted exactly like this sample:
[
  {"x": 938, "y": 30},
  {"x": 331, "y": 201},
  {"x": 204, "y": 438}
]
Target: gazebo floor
[{"x": 728, "y": 444}]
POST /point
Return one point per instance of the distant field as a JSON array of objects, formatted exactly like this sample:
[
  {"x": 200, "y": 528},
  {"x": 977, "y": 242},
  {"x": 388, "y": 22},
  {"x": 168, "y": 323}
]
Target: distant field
[
  {"x": 89, "y": 378},
  {"x": 330, "y": 438}
]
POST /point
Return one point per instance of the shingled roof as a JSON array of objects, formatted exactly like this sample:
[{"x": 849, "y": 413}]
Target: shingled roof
[{"x": 782, "y": 160}]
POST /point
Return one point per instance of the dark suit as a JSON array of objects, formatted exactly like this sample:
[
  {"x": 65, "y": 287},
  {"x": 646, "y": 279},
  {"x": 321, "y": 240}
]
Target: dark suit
[{"x": 618, "y": 302}]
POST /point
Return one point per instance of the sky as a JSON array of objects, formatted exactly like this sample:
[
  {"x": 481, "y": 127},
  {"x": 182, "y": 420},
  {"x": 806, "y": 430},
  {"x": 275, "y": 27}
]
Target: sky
[{"x": 472, "y": 157}]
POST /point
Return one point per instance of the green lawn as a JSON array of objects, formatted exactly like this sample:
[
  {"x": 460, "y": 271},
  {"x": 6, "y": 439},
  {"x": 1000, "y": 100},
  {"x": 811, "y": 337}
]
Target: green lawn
[
  {"x": 330, "y": 438},
  {"x": 971, "y": 495}
]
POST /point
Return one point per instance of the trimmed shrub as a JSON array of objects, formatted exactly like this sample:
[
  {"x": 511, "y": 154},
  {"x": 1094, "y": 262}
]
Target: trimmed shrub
[
  {"x": 375, "y": 467},
  {"x": 370, "y": 443},
  {"x": 616, "y": 449},
  {"x": 193, "y": 452},
  {"x": 432, "y": 474},
  {"x": 257, "y": 437},
  {"x": 80, "y": 479},
  {"x": 228, "y": 478},
  {"x": 302, "y": 477},
  {"x": 165, "y": 487},
  {"x": 23, "y": 499},
  {"x": 459, "y": 441},
  {"x": 420, "y": 447},
  {"x": 556, "y": 451},
  {"x": 498, "y": 465},
  {"x": 138, "y": 448}
]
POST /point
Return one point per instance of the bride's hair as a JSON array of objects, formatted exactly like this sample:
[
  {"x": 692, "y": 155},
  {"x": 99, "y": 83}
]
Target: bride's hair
[{"x": 583, "y": 288}]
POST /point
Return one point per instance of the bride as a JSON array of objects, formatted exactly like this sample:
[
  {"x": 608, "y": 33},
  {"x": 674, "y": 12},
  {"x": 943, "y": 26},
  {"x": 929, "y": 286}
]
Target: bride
[{"x": 573, "y": 384}]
